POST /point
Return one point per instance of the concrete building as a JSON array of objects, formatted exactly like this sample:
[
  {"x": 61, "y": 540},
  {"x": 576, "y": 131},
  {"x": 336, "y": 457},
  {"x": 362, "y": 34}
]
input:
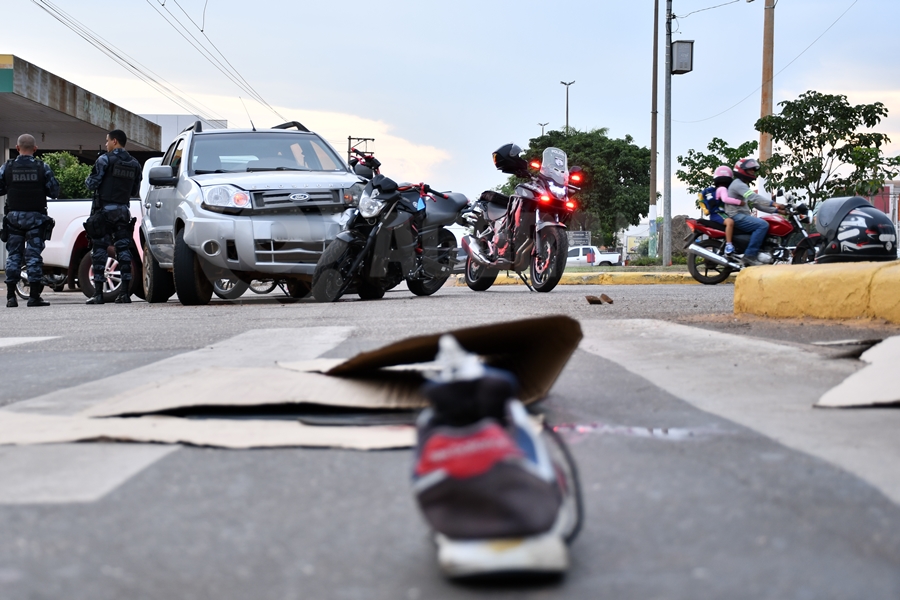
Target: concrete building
[{"x": 62, "y": 116}]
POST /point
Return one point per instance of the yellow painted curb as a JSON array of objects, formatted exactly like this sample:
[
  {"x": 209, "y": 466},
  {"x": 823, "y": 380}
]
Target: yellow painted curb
[
  {"x": 835, "y": 291},
  {"x": 605, "y": 278}
]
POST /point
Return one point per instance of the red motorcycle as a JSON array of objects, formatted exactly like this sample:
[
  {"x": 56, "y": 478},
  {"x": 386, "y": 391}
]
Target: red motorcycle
[{"x": 708, "y": 263}]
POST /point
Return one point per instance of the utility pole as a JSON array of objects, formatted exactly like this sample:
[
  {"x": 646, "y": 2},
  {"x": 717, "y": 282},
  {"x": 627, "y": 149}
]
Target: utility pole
[
  {"x": 567, "y": 103},
  {"x": 667, "y": 146},
  {"x": 542, "y": 127},
  {"x": 353, "y": 142},
  {"x": 652, "y": 247},
  {"x": 765, "y": 140}
]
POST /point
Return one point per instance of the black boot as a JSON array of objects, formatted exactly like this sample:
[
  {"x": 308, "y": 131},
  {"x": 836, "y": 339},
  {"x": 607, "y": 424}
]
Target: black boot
[
  {"x": 124, "y": 296},
  {"x": 35, "y": 296},
  {"x": 97, "y": 298},
  {"x": 11, "y": 301}
]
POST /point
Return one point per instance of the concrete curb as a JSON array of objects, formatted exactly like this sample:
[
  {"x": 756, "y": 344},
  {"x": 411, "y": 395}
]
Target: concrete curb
[
  {"x": 605, "y": 278},
  {"x": 835, "y": 291}
]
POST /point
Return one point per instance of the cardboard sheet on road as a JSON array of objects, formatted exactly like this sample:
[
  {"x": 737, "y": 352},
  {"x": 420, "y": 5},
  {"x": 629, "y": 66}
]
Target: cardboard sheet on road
[
  {"x": 389, "y": 378},
  {"x": 874, "y": 385}
]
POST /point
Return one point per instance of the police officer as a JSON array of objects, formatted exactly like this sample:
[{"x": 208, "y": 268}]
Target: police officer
[
  {"x": 26, "y": 182},
  {"x": 115, "y": 179}
]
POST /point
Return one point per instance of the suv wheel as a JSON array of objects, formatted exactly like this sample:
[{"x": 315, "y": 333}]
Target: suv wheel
[
  {"x": 158, "y": 284},
  {"x": 191, "y": 284}
]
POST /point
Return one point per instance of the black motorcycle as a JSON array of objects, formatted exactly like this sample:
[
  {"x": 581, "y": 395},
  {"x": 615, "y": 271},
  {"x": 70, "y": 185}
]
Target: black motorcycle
[
  {"x": 397, "y": 233},
  {"x": 526, "y": 229}
]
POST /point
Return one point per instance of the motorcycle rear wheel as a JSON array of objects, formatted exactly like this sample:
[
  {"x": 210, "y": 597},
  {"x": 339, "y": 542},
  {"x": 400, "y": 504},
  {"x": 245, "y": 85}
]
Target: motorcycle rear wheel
[
  {"x": 805, "y": 252},
  {"x": 706, "y": 271},
  {"x": 479, "y": 277},
  {"x": 426, "y": 287},
  {"x": 330, "y": 276},
  {"x": 548, "y": 264}
]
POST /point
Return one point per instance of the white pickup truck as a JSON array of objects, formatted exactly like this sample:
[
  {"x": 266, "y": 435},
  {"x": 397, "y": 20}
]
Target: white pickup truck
[{"x": 590, "y": 256}]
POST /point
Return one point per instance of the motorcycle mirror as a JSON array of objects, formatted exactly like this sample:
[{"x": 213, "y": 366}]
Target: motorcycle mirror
[
  {"x": 363, "y": 171},
  {"x": 353, "y": 161},
  {"x": 385, "y": 184},
  {"x": 780, "y": 192},
  {"x": 576, "y": 174}
]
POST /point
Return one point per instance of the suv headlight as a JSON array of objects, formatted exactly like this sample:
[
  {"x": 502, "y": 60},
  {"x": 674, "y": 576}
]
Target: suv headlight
[
  {"x": 353, "y": 193},
  {"x": 226, "y": 196},
  {"x": 369, "y": 204}
]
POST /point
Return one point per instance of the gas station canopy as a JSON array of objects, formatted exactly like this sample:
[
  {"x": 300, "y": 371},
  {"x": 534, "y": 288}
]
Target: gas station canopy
[{"x": 61, "y": 115}]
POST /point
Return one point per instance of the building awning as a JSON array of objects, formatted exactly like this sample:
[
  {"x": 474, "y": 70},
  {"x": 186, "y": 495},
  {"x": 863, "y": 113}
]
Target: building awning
[{"x": 61, "y": 115}]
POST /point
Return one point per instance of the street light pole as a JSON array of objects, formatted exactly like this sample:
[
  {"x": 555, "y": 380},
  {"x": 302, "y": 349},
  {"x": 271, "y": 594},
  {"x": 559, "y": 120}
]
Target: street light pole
[
  {"x": 542, "y": 127},
  {"x": 667, "y": 150},
  {"x": 652, "y": 246},
  {"x": 567, "y": 103}
]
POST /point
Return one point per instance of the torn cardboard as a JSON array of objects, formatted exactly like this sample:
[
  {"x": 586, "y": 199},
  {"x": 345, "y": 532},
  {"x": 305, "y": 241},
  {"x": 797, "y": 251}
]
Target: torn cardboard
[
  {"x": 873, "y": 385},
  {"x": 387, "y": 379}
]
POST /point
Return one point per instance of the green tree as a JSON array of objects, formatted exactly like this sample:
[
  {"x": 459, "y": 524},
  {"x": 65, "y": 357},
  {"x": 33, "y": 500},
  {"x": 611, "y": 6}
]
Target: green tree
[
  {"x": 70, "y": 173},
  {"x": 699, "y": 166},
  {"x": 617, "y": 179},
  {"x": 824, "y": 145}
]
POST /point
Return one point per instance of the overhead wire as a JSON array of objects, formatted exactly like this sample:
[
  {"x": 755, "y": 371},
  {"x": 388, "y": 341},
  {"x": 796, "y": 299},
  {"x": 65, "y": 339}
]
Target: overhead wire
[
  {"x": 143, "y": 73},
  {"x": 707, "y": 8},
  {"x": 226, "y": 68},
  {"x": 742, "y": 100}
]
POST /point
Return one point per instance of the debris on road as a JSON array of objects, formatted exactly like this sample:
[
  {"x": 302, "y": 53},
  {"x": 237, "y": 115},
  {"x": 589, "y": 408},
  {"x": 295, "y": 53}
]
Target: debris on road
[
  {"x": 874, "y": 385},
  {"x": 602, "y": 298}
]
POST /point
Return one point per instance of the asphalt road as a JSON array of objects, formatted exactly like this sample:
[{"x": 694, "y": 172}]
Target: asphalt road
[{"x": 681, "y": 501}]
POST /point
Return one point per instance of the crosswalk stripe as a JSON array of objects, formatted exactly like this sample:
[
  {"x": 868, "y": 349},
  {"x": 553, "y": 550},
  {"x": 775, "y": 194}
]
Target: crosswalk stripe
[{"x": 765, "y": 386}]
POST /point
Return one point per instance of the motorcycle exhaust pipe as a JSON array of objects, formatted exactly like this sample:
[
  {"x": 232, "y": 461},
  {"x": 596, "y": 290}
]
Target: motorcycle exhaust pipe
[
  {"x": 712, "y": 256},
  {"x": 472, "y": 248}
]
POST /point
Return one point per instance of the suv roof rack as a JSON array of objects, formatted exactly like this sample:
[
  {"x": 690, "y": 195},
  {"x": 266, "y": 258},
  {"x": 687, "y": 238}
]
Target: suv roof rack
[
  {"x": 197, "y": 126},
  {"x": 289, "y": 124}
]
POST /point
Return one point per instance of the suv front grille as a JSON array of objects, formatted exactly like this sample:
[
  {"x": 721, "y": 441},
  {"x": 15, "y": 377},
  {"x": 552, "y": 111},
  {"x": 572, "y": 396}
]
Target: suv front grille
[
  {"x": 276, "y": 199},
  {"x": 274, "y": 251}
]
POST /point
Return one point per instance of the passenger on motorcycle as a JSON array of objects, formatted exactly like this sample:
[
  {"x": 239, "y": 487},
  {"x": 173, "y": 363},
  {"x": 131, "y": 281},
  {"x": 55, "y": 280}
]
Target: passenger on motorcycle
[{"x": 745, "y": 171}]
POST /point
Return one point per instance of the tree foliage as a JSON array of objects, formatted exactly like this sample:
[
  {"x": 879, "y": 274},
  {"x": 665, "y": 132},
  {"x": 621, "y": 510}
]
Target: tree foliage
[
  {"x": 616, "y": 189},
  {"x": 70, "y": 173},
  {"x": 699, "y": 166},
  {"x": 824, "y": 145}
]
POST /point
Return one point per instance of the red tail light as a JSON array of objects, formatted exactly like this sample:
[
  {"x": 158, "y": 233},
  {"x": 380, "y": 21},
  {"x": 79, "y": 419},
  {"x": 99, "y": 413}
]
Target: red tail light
[
  {"x": 545, "y": 198},
  {"x": 536, "y": 165},
  {"x": 571, "y": 205},
  {"x": 692, "y": 224}
]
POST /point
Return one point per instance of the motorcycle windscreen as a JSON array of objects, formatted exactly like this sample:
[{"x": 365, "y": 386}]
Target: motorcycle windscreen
[{"x": 555, "y": 165}]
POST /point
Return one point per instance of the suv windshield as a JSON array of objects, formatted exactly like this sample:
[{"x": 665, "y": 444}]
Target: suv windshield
[{"x": 261, "y": 151}]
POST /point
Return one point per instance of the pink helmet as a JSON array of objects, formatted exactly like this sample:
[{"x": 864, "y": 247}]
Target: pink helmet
[{"x": 723, "y": 171}]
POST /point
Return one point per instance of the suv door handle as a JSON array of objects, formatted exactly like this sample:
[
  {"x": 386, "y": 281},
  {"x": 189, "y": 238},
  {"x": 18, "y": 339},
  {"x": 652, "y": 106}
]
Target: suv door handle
[{"x": 158, "y": 204}]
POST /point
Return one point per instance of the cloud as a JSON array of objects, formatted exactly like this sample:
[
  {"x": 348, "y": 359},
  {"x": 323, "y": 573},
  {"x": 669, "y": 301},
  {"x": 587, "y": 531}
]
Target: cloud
[{"x": 403, "y": 155}]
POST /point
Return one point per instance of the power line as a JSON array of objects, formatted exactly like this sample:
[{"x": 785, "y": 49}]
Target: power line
[
  {"x": 130, "y": 64},
  {"x": 776, "y": 74},
  {"x": 707, "y": 8},
  {"x": 229, "y": 71}
]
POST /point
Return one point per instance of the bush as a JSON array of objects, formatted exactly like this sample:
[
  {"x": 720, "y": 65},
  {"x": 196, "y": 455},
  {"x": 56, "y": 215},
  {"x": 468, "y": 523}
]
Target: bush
[{"x": 70, "y": 172}]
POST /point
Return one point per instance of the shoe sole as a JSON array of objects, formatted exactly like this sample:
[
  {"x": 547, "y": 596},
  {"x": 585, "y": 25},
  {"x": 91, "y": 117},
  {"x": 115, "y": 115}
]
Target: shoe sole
[{"x": 546, "y": 554}]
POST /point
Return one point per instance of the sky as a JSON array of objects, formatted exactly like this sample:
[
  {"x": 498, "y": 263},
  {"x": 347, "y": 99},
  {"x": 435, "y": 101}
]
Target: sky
[{"x": 440, "y": 85}]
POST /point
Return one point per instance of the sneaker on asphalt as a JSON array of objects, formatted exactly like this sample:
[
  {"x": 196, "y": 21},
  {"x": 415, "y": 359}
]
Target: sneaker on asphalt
[
  {"x": 484, "y": 478},
  {"x": 729, "y": 248}
]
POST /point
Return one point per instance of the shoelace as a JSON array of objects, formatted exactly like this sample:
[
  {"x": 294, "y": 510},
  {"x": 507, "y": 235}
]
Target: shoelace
[{"x": 576, "y": 481}]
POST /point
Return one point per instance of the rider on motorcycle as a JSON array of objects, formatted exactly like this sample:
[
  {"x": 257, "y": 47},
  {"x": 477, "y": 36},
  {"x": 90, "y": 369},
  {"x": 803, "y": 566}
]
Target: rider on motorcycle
[{"x": 745, "y": 171}]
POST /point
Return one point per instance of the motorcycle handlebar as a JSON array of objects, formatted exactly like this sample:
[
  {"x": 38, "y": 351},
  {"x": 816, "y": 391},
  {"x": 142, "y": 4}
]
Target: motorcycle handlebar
[{"x": 428, "y": 190}]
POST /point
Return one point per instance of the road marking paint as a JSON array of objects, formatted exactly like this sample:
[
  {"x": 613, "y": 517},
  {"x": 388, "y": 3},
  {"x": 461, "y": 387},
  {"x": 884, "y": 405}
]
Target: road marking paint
[
  {"x": 15, "y": 341},
  {"x": 62, "y": 473},
  {"x": 764, "y": 386}
]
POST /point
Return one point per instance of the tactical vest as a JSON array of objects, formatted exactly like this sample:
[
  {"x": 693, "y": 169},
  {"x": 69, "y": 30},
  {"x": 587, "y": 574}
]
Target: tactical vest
[
  {"x": 26, "y": 186},
  {"x": 118, "y": 179}
]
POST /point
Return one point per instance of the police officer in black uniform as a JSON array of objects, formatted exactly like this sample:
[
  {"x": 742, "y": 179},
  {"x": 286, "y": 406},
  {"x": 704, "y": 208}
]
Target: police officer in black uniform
[
  {"x": 26, "y": 182},
  {"x": 115, "y": 179}
]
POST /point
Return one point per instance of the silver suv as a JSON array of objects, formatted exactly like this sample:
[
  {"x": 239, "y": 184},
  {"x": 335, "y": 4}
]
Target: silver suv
[{"x": 241, "y": 204}]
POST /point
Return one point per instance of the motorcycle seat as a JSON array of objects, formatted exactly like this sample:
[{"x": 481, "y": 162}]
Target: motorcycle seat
[{"x": 444, "y": 210}]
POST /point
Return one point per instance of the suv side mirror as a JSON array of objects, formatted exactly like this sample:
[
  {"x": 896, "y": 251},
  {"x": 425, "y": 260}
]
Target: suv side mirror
[{"x": 162, "y": 176}]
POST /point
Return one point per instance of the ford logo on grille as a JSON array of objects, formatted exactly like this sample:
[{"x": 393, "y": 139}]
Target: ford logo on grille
[{"x": 301, "y": 197}]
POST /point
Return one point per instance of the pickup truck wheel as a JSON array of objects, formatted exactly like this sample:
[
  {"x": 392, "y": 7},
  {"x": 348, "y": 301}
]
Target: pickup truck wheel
[
  {"x": 296, "y": 288},
  {"x": 229, "y": 288},
  {"x": 606, "y": 263},
  {"x": 191, "y": 284},
  {"x": 158, "y": 284},
  {"x": 112, "y": 284}
]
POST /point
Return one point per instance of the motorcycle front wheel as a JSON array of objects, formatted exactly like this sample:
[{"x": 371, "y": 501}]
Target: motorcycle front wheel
[
  {"x": 330, "y": 277},
  {"x": 548, "y": 264},
  {"x": 479, "y": 277},
  {"x": 706, "y": 271}
]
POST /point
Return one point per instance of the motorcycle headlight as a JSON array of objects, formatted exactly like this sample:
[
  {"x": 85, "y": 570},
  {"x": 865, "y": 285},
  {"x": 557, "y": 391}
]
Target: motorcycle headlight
[
  {"x": 369, "y": 204},
  {"x": 226, "y": 196},
  {"x": 558, "y": 191},
  {"x": 353, "y": 193}
]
